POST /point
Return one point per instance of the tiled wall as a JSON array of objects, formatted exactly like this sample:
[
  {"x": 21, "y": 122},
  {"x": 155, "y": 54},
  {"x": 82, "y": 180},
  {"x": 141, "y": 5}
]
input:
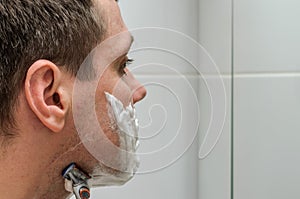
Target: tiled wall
[
  {"x": 266, "y": 99},
  {"x": 263, "y": 52},
  {"x": 215, "y": 35}
]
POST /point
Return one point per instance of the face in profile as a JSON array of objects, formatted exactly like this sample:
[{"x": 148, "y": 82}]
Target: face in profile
[{"x": 103, "y": 107}]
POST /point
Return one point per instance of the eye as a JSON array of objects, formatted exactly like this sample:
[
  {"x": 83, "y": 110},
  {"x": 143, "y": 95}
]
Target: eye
[{"x": 126, "y": 63}]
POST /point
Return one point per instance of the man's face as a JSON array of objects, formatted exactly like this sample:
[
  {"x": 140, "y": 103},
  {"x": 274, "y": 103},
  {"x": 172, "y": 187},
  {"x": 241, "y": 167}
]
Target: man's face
[{"x": 101, "y": 136}]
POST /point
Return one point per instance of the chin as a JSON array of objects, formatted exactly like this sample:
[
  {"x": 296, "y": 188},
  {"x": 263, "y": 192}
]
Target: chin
[{"x": 106, "y": 176}]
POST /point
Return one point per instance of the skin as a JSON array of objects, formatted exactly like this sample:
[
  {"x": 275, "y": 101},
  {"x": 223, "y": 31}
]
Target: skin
[{"x": 47, "y": 141}]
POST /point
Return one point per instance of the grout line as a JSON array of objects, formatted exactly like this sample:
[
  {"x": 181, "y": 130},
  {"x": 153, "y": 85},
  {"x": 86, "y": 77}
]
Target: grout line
[
  {"x": 234, "y": 75},
  {"x": 198, "y": 95},
  {"x": 168, "y": 75},
  {"x": 223, "y": 77},
  {"x": 232, "y": 104},
  {"x": 183, "y": 74},
  {"x": 284, "y": 74}
]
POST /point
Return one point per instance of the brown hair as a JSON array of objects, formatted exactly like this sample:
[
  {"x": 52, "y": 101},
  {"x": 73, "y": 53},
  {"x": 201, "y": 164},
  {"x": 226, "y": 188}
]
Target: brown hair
[{"x": 62, "y": 31}]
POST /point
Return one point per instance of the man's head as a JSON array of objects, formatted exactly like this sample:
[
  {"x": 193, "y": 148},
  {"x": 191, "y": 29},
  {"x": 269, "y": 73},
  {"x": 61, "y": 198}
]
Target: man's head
[
  {"x": 62, "y": 32},
  {"x": 43, "y": 44}
]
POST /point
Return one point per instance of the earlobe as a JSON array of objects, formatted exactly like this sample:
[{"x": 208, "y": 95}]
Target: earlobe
[{"x": 45, "y": 96}]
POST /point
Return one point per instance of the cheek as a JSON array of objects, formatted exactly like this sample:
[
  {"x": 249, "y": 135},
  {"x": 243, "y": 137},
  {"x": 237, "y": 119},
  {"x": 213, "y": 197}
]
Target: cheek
[
  {"x": 122, "y": 91},
  {"x": 117, "y": 86},
  {"x": 104, "y": 120},
  {"x": 110, "y": 82}
]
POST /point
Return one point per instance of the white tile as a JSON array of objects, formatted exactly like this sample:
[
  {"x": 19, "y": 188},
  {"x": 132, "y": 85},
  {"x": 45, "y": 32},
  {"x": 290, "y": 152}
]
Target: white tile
[
  {"x": 266, "y": 137},
  {"x": 172, "y": 39},
  {"x": 169, "y": 149},
  {"x": 267, "y": 36},
  {"x": 156, "y": 61},
  {"x": 159, "y": 51},
  {"x": 215, "y": 37},
  {"x": 214, "y": 170},
  {"x": 172, "y": 14},
  {"x": 215, "y": 31}
]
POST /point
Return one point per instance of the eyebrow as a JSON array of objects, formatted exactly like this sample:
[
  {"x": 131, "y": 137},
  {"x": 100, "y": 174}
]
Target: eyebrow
[{"x": 130, "y": 45}]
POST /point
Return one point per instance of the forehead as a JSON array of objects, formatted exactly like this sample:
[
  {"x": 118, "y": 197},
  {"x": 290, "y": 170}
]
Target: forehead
[
  {"x": 112, "y": 48},
  {"x": 110, "y": 12}
]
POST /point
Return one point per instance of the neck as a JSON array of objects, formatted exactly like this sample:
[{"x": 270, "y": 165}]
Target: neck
[
  {"x": 28, "y": 164},
  {"x": 17, "y": 173},
  {"x": 23, "y": 173}
]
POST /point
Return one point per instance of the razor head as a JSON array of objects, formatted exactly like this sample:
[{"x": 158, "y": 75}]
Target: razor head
[{"x": 79, "y": 180}]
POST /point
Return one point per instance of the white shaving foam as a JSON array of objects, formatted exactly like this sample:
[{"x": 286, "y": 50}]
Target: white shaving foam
[{"x": 126, "y": 125}]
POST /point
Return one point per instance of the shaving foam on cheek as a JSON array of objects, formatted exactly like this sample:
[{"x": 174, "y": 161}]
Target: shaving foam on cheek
[{"x": 125, "y": 123}]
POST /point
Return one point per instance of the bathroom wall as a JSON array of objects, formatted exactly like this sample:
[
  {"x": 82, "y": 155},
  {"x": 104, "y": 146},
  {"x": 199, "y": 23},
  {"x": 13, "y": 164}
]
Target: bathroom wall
[
  {"x": 266, "y": 99},
  {"x": 215, "y": 35},
  {"x": 259, "y": 40}
]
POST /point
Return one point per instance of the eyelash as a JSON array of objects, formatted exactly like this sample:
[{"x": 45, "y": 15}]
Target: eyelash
[{"x": 124, "y": 65}]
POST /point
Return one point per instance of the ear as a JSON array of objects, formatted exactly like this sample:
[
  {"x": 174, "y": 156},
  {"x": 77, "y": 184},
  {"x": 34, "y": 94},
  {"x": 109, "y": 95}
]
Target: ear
[{"x": 45, "y": 94}]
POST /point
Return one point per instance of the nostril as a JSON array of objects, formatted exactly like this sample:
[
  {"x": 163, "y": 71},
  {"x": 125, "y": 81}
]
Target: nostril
[{"x": 139, "y": 94}]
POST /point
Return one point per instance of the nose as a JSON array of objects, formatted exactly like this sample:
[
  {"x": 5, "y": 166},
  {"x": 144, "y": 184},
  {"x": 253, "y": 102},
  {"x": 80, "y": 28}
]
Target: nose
[
  {"x": 138, "y": 90},
  {"x": 139, "y": 94}
]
